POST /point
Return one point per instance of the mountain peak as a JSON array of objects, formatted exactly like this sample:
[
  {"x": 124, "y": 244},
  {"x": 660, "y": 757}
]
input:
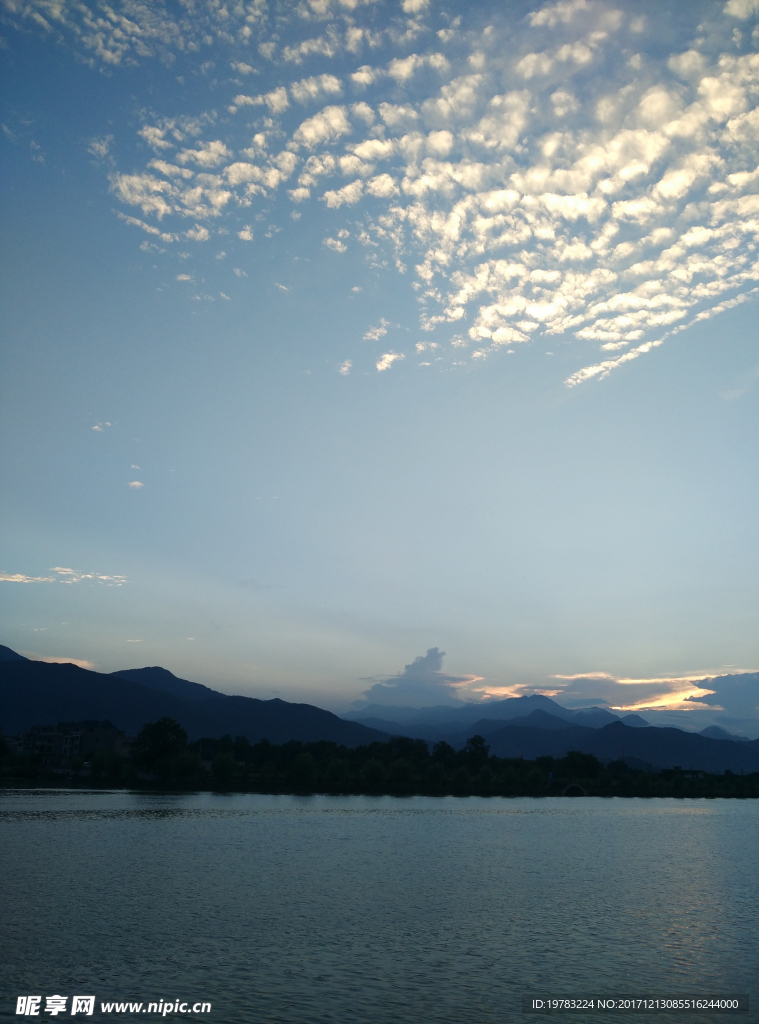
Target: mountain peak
[{"x": 158, "y": 678}]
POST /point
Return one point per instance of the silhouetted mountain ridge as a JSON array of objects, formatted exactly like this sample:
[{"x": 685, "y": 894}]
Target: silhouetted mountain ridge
[
  {"x": 38, "y": 693},
  {"x": 161, "y": 679},
  {"x": 660, "y": 747},
  {"x": 443, "y": 721},
  {"x": 537, "y": 726},
  {"x": 6, "y": 654}
]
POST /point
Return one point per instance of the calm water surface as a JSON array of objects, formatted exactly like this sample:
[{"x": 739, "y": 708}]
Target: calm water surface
[{"x": 359, "y": 909}]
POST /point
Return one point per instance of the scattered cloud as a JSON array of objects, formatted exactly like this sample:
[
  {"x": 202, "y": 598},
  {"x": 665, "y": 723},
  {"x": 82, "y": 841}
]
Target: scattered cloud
[
  {"x": 326, "y": 126},
  {"x": 100, "y": 427},
  {"x": 349, "y": 195},
  {"x": 318, "y": 87},
  {"x": 135, "y": 485},
  {"x": 375, "y": 333},
  {"x": 8, "y": 577},
  {"x": 531, "y": 198},
  {"x": 64, "y": 575},
  {"x": 628, "y": 695},
  {"x": 386, "y": 361},
  {"x": 99, "y": 147},
  {"x": 345, "y": 367}
]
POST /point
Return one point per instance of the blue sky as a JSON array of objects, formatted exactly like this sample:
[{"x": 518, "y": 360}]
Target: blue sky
[{"x": 337, "y": 332}]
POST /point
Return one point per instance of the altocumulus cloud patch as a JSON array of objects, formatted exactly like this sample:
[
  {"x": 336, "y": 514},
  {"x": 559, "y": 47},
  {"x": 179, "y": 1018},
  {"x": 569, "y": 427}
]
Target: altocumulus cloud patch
[{"x": 582, "y": 169}]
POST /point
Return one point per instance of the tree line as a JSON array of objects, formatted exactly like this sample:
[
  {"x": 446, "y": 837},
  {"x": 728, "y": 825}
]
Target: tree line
[{"x": 162, "y": 757}]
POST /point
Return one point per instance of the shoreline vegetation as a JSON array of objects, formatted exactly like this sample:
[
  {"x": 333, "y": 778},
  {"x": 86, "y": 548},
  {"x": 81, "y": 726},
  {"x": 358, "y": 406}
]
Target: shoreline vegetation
[{"x": 162, "y": 758}]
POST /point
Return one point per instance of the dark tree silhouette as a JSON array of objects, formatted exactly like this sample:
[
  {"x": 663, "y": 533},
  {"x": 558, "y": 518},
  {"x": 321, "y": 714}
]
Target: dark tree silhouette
[{"x": 158, "y": 744}]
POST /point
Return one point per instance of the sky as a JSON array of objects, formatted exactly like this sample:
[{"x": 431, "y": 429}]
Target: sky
[{"x": 338, "y": 332}]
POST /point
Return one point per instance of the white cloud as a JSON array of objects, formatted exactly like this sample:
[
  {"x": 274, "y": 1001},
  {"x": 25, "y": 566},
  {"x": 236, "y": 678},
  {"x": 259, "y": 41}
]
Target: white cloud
[
  {"x": 208, "y": 154},
  {"x": 615, "y": 207},
  {"x": 63, "y": 574},
  {"x": 7, "y": 577},
  {"x": 317, "y": 88},
  {"x": 100, "y": 147},
  {"x": 363, "y": 112},
  {"x": 398, "y": 116},
  {"x": 345, "y": 367},
  {"x": 276, "y": 100},
  {"x": 151, "y": 194},
  {"x": 375, "y": 333},
  {"x": 349, "y": 194},
  {"x": 457, "y": 100},
  {"x": 135, "y": 484},
  {"x": 742, "y": 8},
  {"x": 533, "y": 64},
  {"x": 374, "y": 149},
  {"x": 365, "y": 75},
  {"x": 154, "y": 137},
  {"x": 136, "y": 32},
  {"x": 564, "y": 103},
  {"x": 327, "y": 125},
  {"x": 335, "y": 244},
  {"x": 308, "y": 48},
  {"x": 402, "y": 68},
  {"x": 422, "y": 682},
  {"x": 382, "y": 186},
  {"x": 171, "y": 170},
  {"x": 554, "y": 14},
  {"x": 386, "y": 361}
]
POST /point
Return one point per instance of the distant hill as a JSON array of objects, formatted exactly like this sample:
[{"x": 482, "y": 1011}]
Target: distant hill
[
  {"x": 439, "y": 722},
  {"x": 37, "y": 693},
  {"x": 635, "y": 721},
  {"x": 662, "y": 748},
  {"x": 531, "y": 728},
  {"x": 716, "y": 732}
]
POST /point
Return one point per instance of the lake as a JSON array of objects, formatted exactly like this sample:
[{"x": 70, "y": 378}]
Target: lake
[{"x": 361, "y": 909}]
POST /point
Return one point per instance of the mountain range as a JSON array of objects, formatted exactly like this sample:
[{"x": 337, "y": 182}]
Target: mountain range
[
  {"x": 39, "y": 693},
  {"x": 536, "y": 726},
  {"x": 426, "y": 723}
]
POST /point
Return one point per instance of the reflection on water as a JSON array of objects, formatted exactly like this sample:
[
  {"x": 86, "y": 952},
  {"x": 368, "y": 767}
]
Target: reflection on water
[{"x": 353, "y": 909}]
